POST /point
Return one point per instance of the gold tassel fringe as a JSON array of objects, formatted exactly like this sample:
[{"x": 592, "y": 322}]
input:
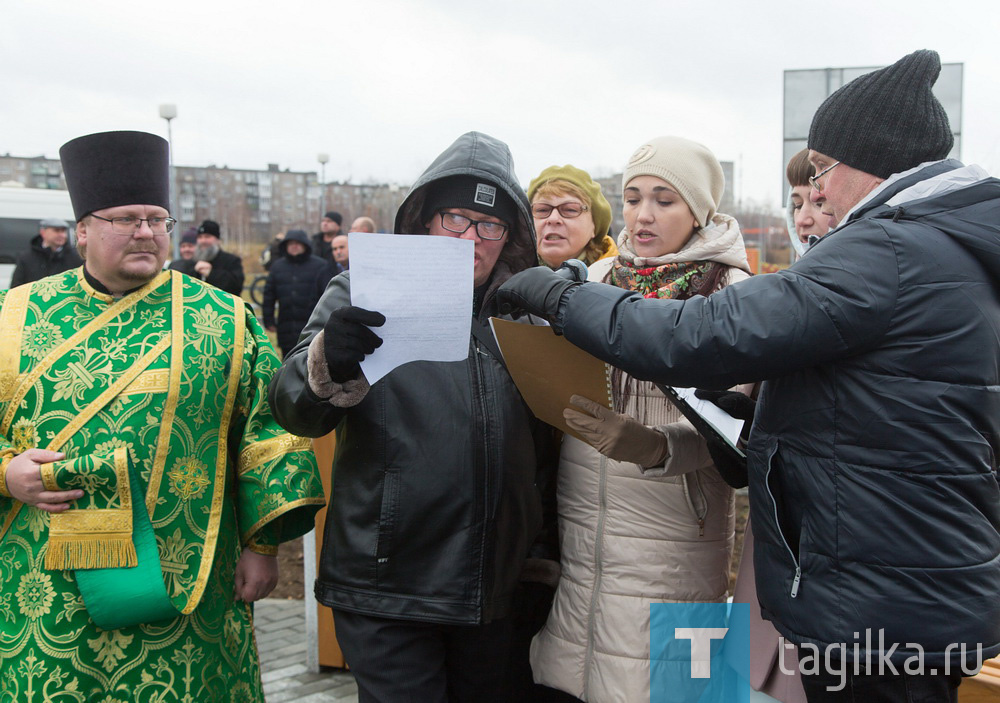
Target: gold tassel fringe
[{"x": 92, "y": 552}]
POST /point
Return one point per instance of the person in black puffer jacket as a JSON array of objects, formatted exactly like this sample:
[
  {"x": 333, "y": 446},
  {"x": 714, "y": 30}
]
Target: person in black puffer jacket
[
  {"x": 295, "y": 282},
  {"x": 439, "y": 470},
  {"x": 873, "y": 453}
]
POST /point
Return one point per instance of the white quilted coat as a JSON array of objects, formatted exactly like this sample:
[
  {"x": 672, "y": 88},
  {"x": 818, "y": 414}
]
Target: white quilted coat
[{"x": 630, "y": 538}]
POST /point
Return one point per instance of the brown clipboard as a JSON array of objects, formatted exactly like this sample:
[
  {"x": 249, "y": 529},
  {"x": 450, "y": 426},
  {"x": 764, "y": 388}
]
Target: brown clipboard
[{"x": 548, "y": 369}]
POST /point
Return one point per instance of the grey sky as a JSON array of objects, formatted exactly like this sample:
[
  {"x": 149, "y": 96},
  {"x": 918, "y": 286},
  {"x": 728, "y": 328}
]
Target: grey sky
[{"x": 384, "y": 86}]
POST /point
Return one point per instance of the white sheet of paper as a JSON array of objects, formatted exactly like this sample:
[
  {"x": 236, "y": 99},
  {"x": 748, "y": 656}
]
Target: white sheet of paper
[
  {"x": 423, "y": 286},
  {"x": 727, "y": 425}
]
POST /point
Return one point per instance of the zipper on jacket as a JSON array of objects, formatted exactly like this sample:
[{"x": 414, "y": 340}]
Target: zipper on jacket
[
  {"x": 690, "y": 501},
  {"x": 602, "y": 506},
  {"x": 777, "y": 525},
  {"x": 484, "y": 562}
]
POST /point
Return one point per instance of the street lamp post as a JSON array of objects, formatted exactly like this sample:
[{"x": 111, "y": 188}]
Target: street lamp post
[
  {"x": 323, "y": 158},
  {"x": 169, "y": 112}
]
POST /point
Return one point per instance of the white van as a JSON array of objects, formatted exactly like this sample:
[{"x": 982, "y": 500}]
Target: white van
[{"x": 21, "y": 209}]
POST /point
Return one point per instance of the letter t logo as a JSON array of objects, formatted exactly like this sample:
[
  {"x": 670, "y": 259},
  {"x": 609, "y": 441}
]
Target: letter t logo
[{"x": 701, "y": 647}]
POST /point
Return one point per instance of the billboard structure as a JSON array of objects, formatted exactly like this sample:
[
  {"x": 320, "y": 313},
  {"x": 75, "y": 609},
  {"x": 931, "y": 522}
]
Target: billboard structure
[{"x": 806, "y": 89}]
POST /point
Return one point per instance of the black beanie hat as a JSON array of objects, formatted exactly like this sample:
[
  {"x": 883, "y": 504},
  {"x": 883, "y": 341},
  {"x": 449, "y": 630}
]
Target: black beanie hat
[
  {"x": 335, "y": 216},
  {"x": 109, "y": 169},
  {"x": 470, "y": 193},
  {"x": 886, "y": 121},
  {"x": 210, "y": 227}
]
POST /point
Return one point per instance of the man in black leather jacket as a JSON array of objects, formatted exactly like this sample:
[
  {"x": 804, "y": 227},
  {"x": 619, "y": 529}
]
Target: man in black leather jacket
[
  {"x": 435, "y": 504},
  {"x": 873, "y": 454}
]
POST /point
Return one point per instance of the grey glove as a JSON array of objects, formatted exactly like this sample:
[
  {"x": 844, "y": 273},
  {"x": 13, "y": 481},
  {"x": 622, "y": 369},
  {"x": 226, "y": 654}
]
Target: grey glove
[
  {"x": 537, "y": 291},
  {"x": 615, "y": 435}
]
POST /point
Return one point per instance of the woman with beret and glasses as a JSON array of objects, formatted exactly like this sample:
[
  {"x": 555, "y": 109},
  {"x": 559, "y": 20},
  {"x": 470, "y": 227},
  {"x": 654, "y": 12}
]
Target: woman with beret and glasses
[{"x": 572, "y": 217}]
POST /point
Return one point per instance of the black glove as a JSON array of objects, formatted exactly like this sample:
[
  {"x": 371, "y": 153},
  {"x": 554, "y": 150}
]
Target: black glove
[
  {"x": 730, "y": 466},
  {"x": 739, "y": 405},
  {"x": 347, "y": 340},
  {"x": 537, "y": 291},
  {"x": 530, "y": 607}
]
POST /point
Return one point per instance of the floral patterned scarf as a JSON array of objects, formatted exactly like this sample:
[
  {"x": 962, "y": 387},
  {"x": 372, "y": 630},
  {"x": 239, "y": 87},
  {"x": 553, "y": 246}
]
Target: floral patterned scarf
[{"x": 677, "y": 280}]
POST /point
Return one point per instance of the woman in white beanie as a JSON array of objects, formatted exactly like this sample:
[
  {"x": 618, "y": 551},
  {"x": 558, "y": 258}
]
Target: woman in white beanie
[{"x": 644, "y": 515}]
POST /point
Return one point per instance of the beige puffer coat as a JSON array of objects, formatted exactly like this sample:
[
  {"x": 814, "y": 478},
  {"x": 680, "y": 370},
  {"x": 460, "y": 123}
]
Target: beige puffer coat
[{"x": 631, "y": 537}]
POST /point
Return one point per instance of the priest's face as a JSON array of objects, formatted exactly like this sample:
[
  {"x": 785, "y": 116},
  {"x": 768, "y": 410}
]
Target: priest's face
[{"x": 122, "y": 261}]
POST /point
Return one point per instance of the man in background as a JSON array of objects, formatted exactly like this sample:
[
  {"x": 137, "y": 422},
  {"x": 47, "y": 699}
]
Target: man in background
[
  {"x": 329, "y": 228},
  {"x": 340, "y": 252},
  {"x": 363, "y": 224},
  {"x": 295, "y": 282},
  {"x": 213, "y": 265},
  {"x": 50, "y": 253},
  {"x": 186, "y": 247}
]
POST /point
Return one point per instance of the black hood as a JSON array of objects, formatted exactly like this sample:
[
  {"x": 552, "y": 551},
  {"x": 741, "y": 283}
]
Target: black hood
[
  {"x": 296, "y": 235},
  {"x": 479, "y": 155}
]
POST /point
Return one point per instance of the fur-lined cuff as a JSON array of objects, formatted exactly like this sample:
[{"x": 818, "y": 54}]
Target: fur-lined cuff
[
  {"x": 546, "y": 571},
  {"x": 341, "y": 395}
]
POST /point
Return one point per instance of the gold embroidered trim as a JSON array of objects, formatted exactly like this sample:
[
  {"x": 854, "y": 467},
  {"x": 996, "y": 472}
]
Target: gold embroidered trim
[
  {"x": 12, "y": 317},
  {"x": 110, "y": 393},
  {"x": 259, "y": 453},
  {"x": 48, "y": 472},
  {"x": 4, "y": 462},
  {"x": 268, "y": 550},
  {"x": 117, "y": 308},
  {"x": 148, "y": 383},
  {"x": 173, "y": 392},
  {"x": 278, "y": 512},
  {"x": 95, "y": 539},
  {"x": 87, "y": 415},
  {"x": 219, "y": 485}
]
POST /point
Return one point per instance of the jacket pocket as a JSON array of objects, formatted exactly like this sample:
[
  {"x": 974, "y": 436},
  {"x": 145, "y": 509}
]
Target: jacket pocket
[
  {"x": 775, "y": 496},
  {"x": 388, "y": 516}
]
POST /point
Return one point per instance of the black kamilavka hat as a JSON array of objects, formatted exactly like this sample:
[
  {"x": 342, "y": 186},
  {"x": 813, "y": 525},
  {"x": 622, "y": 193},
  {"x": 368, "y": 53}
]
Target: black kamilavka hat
[{"x": 109, "y": 169}]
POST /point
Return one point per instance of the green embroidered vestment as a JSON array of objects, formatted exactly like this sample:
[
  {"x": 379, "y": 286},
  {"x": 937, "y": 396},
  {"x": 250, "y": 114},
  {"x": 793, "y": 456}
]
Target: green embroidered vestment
[{"x": 175, "y": 375}]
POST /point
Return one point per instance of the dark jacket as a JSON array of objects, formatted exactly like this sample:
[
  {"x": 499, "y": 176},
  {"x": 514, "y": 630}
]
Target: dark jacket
[
  {"x": 295, "y": 284},
  {"x": 322, "y": 248},
  {"x": 434, "y": 504},
  {"x": 227, "y": 272},
  {"x": 39, "y": 262},
  {"x": 873, "y": 469}
]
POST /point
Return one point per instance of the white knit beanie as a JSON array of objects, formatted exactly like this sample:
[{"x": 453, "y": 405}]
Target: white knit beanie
[{"x": 687, "y": 166}]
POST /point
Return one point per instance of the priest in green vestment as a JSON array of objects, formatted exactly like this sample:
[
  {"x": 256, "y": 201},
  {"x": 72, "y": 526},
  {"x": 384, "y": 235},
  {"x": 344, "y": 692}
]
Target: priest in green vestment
[{"x": 144, "y": 485}]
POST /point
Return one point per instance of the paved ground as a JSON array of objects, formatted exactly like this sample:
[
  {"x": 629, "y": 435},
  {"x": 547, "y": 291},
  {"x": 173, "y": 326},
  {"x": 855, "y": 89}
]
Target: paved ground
[{"x": 281, "y": 639}]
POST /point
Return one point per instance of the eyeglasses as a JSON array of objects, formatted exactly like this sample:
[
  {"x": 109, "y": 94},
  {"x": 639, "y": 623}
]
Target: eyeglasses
[
  {"x": 460, "y": 223},
  {"x": 127, "y": 226},
  {"x": 814, "y": 180},
  {"x": 541, "y": 211}
]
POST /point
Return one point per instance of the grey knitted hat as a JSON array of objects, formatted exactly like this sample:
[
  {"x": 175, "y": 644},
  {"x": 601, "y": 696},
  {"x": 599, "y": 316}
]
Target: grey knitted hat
[{"x": 886, "y": 121}]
